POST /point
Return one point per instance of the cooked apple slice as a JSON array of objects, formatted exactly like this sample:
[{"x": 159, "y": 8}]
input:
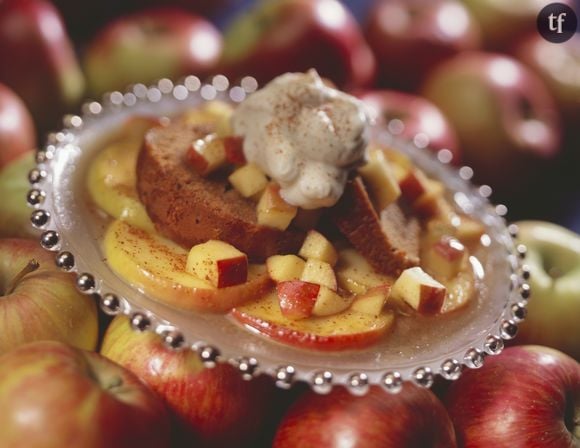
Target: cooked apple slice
[
  {"x": 329, "y": 302},
  {"x": 217, "y": 262},
  {"x": 343, "y": 331},
  {"x": 460, "y": 290},
  {"x": 418, "y": 289},
  {"x": 248, "y": 180},
  {"x": 215, "y": 113},
  {"x": 373, "y": 301},
  {"x": 445, "y": 258},
  {"x": 317, "y": 247},
  {"x": 355, "y": 274},
  {"x": 206, "y": 155},
  {"x": 111, "y": 183},
  {"x": 156, "y": 266},
  {"x": 469, "y": 231},
  {"x": 319, "y": 272},
  {"x": 380, "y": 179},
  {"x": 282, "y": 268},
  {"x": 273, "y": 211},
  {"x": 296, "y": 298}
]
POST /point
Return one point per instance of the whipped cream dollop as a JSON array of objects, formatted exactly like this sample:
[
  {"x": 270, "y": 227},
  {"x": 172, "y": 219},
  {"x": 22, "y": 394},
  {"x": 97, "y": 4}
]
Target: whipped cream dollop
[{"x": 305, "y": 135}]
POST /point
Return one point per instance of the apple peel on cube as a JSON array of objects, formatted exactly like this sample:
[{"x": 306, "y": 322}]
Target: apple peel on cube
[
  {"x": 218, "y": 262},
  {"x": 419, "y": 290}
]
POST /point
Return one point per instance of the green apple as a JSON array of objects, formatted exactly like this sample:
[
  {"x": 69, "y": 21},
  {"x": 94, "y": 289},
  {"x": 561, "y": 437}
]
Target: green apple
[
  {"x": 38, "y": 301},
  {"x": 554, "y": 307},
  {"x": 15, "y": 216},
  {"x": 53, "y": 395},
  {"x": 213, "y": 407}
]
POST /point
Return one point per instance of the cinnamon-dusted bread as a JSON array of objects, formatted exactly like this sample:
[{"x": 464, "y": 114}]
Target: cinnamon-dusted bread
[
  {"x": 191, "y": 209},
  {"x": 389, "y": 242}
]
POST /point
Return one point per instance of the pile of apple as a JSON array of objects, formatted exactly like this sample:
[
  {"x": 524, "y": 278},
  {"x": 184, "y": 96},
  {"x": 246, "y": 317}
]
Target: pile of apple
[{"x": 473, "y": 78}]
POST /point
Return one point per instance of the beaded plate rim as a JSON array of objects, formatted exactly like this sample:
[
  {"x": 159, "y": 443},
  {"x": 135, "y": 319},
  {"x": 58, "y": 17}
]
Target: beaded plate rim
[{"x": 284, "y": 375}]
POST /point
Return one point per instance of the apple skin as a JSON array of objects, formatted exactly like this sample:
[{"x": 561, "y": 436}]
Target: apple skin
[
  {"x": 148, "y": 45},
  {"x": 45, "y": 303},
  {"x": 503, "y": 114},
  {"x": 554, "y": 306},
  {"x": 214, "y": 407},
  {"x": 72, "y": 397},
  {"x": 526, "y": 397},
  {"x": 409, "y": 38},
  {"x": 39, "y": 60},
  {"x": 503, "y": 23},
  {"x": 414, "y": 417},
  {"x": 557, "y": 65},
  {"x": 17, "y": 132},
  {"x": 294, "y": 36},
  {"x": 418, "y": 115},
  {"x": 15, "y": 216}
]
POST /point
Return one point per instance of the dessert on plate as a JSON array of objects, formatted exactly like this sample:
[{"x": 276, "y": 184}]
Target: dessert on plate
[{"x": 284, "y": 214}]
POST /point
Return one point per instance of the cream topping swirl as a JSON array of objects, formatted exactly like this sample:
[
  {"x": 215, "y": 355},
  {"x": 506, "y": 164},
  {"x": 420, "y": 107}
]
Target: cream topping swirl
[{"x": 305, "y": 135}]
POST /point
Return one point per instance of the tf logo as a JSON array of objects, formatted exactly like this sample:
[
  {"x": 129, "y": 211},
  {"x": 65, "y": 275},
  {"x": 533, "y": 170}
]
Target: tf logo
[{"x": 557, "y": 22}]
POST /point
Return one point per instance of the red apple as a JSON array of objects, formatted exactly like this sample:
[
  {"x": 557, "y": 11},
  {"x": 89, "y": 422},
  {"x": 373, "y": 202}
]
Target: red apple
[
  {"x": 558, "y": 65},
  {"x": 502, "y": 23},
  {"x": 14, "y": 185},
  {"x": 148, "y": 45},
  {"x": 17, "y": 133},
  {"x": 213, "y": 407},
  {"x": 38, "y": 60},
  {"x": 506, "y": 120},
  {"x": 39, "y": 301},
  {"x": 53, "y": 395},
  {"x": 297, "y": 298},
  {"x": 409, "y": 38},
  {"x": 553, "y": 256},
  {"x": 412, "y": 418},
  {"x": 421, "y": 120},
  {"x": 528, "y": 397},
  {"x": 294, "y": 36}
]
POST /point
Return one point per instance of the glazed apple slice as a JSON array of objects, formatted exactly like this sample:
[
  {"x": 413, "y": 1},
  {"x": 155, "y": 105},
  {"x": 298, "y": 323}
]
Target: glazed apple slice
[
  {"x": 460, "y": 290},
  {"x": 214, "y": 113},
  {"x": 111, "y": 178},
  {"x": 156, "y": 266},
  {"x": 356, "y": 275},
  {"x": 344, "y": 331}
]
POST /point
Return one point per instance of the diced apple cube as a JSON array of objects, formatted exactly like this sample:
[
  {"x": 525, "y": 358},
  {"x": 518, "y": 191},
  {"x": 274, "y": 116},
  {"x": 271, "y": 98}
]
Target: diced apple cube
[
  {"x": 248, "y": 180},
  {"x": 380, "y": 180},
  {"x": 219, "y": 263},
  {"x": 297, "y": 298},
  {"x": 444, "y": 258},
  {"x": 234, "y": 148},
  {"x": 206, "y": 154},
  {"x": 319, "y": 272},
  {"x": 317, "y": 246},
  {"x": 283, "y": 268},
  {"x": 273, "y": 211},
  {"x": 414, "y": 185},
  {"x": 419, "y": 290},
  {"x": 373, "y": 301},
  {"x": 329, "y": 302}
]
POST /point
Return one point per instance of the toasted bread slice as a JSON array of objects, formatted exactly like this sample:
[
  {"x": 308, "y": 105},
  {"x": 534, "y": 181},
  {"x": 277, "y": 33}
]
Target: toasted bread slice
[
  {"x": 389, "y": 240},
  {"x": 190, "y": 209}
]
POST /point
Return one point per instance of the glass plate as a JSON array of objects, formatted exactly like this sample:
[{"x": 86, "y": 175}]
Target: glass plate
[{"x": 416, "y": 352}]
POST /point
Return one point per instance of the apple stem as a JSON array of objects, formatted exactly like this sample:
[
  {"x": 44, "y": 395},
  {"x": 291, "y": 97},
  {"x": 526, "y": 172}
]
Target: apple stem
[{"x": 31, "y": 266}]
